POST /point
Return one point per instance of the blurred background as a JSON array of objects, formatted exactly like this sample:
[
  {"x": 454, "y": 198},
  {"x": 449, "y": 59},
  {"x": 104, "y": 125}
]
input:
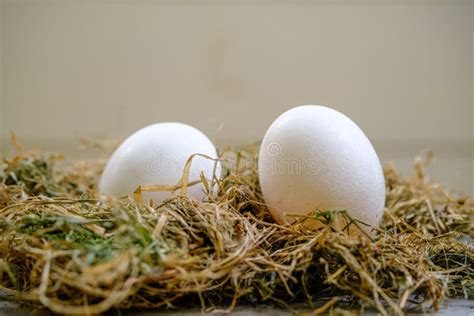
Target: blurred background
[{"x": 401, "y": 69}]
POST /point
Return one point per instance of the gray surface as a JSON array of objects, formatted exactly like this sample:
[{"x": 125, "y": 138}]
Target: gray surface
[{"x": 452, "y": 307}]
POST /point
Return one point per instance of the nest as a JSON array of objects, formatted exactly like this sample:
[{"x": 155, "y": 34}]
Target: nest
[{"x": 65, "y": 248}]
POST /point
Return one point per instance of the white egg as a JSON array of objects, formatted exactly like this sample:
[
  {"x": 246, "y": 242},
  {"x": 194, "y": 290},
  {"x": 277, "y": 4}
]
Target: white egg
[
  {"x": 157, "y": 154},
  {"x": 315, "y": 158}
]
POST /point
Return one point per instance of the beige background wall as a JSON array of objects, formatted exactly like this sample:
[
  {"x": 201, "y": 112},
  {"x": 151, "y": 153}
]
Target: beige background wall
[{"x": 103, "y": 69}]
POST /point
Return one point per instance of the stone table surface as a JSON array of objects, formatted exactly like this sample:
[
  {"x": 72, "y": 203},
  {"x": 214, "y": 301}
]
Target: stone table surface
[{"x": 451, "y": 307}]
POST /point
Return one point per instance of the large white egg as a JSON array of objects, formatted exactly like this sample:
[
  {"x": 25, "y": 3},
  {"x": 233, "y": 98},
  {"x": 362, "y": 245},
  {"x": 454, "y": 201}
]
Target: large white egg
[
  {"x": 157, "y": 154},
  {"x": 316, "y": 158}
]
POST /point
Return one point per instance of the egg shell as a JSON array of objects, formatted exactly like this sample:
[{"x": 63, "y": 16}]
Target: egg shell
[
  {"x": 157, "y": 154},
  {"x": 316, "y": 158}
]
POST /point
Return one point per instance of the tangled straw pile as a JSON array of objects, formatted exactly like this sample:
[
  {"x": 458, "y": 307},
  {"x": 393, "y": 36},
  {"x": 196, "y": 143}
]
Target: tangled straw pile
[{"x": 64, "y": 247}]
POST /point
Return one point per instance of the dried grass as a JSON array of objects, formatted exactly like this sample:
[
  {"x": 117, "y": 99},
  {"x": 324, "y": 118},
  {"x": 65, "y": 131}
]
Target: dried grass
[{"x": 65, "y": 248}]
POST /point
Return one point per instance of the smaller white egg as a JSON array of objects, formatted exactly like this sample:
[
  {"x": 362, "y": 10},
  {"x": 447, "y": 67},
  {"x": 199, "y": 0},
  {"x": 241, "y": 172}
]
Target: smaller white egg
[{"x": 157, "y": 155}]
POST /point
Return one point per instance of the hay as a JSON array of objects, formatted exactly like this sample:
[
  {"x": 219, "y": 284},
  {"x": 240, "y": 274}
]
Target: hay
[{"x": 65, "y": 248}]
